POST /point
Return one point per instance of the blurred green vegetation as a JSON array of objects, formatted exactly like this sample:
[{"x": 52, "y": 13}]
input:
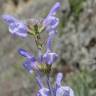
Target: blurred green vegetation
[{"x": 76, "y": 7}]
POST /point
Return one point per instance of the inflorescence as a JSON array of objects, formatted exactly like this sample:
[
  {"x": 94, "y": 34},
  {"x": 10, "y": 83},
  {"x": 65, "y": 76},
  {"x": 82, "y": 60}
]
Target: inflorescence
[{"x": 43, "y": 62}]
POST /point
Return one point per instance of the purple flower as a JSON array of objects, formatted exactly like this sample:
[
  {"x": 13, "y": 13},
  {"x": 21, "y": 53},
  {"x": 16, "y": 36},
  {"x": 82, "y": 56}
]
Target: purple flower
[
  {"x": 60, "y": 91},
  {"x": 28, "y": 65},
  {"x": 26, "y": 54},
  {"x": 50, "y": 57},
  {"x": 64, "y": 91},
  {"x": 15, "y": 26},
  {"x": 49, "y": 41},
  {"x": 59, "y": 79},
  {"x": 43, "y": 92},
  {"x": 31, "y": 63},
  {"x": 51, "y": 22},
  {"x": 54, "y": 9},
  {"x": 9, "y": 19}
]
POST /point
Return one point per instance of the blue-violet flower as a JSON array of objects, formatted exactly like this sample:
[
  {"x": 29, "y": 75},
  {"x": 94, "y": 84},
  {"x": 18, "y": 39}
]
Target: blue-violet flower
[
  {"x": 51, "y": 22},
  {"x": 16, "y": 27}
]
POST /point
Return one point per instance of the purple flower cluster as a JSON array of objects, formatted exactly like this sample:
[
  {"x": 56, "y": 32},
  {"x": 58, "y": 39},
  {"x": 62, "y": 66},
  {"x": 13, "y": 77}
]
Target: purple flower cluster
[
  {"x": 32, "y": 64},
  {"x": 57, "y": 90}
]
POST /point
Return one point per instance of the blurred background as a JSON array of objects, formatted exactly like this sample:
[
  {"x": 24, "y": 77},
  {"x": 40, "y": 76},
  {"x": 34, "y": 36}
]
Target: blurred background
[{"x": 75, "y": 43}]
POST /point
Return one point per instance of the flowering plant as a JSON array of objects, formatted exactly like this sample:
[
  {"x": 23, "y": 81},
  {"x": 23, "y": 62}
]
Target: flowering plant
[{"x": 43, "y": 62}]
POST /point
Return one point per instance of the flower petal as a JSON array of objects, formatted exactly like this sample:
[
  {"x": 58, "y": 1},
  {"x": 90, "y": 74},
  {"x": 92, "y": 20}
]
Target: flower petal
[
  {"x": 15, "y": 26},
  {"x": 50, "y": 39},
  {"x": 64, "y": 91},
  {"x": 59, "y": 79},
  {"x": 26, "y": 54},
  {"x": 54, "y": 9},
  {"x": 9, "y": 19},
  {"x": 50, "y": 58},
  {"x": 43, "y": 92},
  {"x": 51, "y": 23},
  {"x": 18, "y": 28},
  {"x": 30, "y": 65}
]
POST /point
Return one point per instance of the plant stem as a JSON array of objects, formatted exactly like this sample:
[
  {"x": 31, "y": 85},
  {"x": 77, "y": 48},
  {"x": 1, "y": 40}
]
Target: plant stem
[{"x": 49, "y": 86}]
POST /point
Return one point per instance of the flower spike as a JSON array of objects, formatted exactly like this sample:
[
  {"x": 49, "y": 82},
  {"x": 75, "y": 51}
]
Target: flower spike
[{"x": 43, "y": 62}]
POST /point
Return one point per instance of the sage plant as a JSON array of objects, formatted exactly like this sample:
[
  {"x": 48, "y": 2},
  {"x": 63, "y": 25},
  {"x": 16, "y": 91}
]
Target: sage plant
[{"x": 43, "y": 62}]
